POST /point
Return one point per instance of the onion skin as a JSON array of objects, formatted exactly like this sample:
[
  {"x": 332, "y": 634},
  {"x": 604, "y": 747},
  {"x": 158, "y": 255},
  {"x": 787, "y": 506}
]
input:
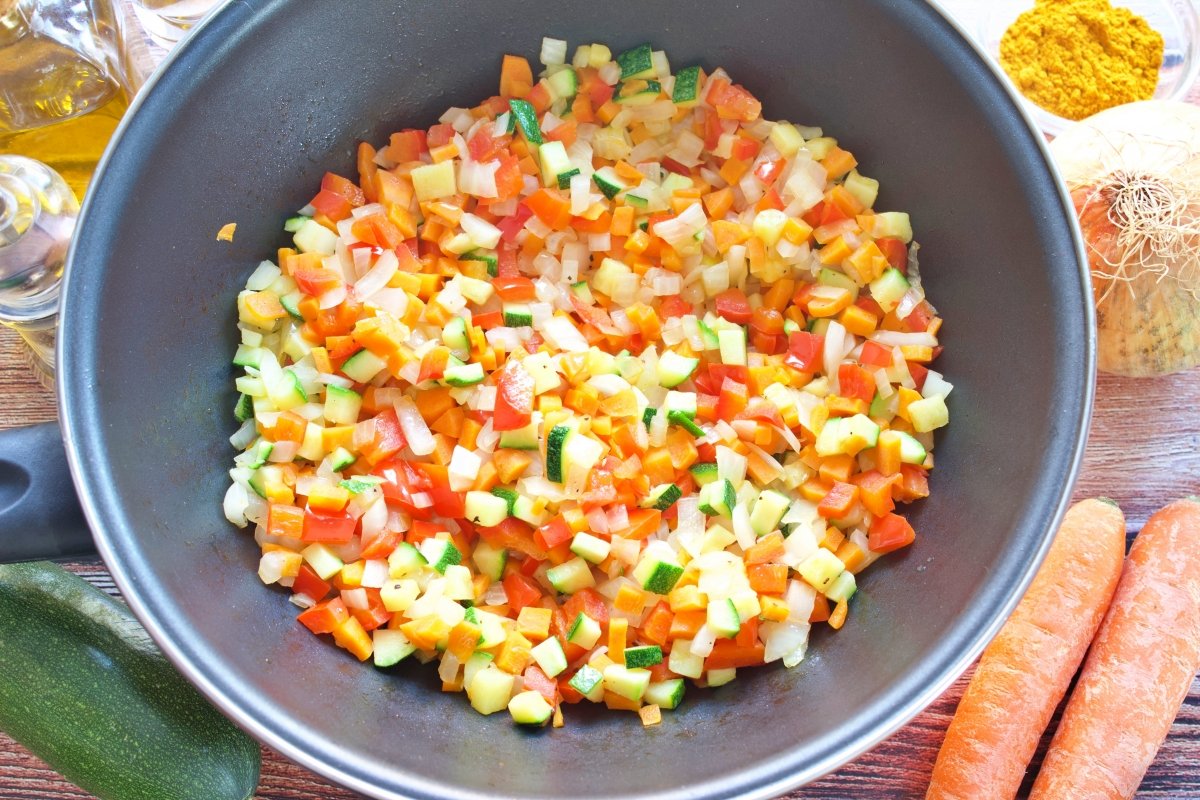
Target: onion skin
[
  {"x": 1154, "y": 333},
  {"x": 1148, "y": 323}
]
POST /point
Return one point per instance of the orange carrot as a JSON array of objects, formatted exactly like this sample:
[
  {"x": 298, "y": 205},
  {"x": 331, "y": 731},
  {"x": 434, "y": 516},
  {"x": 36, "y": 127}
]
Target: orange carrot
[
  {"x": 1027, "y": 668},
  {"x": 1139, "y": 669}
]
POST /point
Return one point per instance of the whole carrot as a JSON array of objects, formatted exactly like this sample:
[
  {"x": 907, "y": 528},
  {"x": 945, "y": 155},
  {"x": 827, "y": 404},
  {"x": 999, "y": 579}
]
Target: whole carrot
[
  {"x": 1138, "y": 673},
  {"x": 1027, "y": 668}
]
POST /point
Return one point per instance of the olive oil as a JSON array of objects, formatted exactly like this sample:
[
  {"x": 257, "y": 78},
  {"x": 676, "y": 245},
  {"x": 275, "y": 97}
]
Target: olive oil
[{"x": 60, "y": 100}]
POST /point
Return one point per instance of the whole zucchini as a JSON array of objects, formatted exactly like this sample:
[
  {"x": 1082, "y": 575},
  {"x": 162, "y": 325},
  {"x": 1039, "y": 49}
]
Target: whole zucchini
[{"x": 86, "y": 690}]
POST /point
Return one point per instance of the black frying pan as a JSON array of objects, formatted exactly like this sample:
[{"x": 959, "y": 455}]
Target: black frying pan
[{"x": 269, "y": 94}]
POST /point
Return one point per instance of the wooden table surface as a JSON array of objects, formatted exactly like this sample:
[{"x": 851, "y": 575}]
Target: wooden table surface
[{"x": 1131, "y": 457}]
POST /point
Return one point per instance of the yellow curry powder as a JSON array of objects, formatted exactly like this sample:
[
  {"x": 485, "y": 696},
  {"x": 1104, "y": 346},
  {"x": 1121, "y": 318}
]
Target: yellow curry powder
[{"x": 1075, "y": 58}]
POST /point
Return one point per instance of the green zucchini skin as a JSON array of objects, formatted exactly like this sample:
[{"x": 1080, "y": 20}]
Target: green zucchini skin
[{"x": 86, "y": 690}]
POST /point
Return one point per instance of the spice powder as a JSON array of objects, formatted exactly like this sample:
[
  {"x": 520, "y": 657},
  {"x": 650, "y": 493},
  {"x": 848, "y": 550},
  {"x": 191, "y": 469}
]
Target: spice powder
[{"x": 1075, "y": 58}]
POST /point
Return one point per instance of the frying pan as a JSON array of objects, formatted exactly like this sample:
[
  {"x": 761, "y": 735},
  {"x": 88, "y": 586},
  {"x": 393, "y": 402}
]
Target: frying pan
[{"x": 240, "y": 125}]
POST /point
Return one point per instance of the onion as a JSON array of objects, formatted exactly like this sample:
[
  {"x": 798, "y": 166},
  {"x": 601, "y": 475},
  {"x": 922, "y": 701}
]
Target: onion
[
  {"x": 416, "y": 432},
  {"x": 1134, "y": 176}
]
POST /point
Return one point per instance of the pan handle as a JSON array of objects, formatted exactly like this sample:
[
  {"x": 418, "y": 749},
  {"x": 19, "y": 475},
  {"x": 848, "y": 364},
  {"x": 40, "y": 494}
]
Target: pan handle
[{"x": 40, "y": 516}]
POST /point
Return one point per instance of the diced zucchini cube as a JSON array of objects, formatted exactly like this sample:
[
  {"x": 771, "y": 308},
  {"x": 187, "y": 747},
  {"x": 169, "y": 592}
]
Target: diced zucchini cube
[
  {"x": 441, "y": 553},
  {"x": 590, "y": 548},
  {"x": 821, "y": 569},
  {"x": 530, "y": 708},
  {"x": 571, "y": 576},
  {"x": 722, "y": 617},
  {"x": 584, "y": 631},
  {"x": 665, "y": 694},
  {"x": 549, "y": 657},
  {"x": 643, "y": 656},
  {"x": 490, "y": 690},
  {"x": 628, "y": 683},
  {"x": 589, "y": 682}
]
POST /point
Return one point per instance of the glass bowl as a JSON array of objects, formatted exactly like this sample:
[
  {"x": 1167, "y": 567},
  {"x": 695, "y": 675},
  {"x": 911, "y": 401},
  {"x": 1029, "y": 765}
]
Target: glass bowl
[{"x": 1177, "y": 20}]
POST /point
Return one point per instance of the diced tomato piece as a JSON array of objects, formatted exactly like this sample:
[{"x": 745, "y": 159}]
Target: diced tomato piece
[
  {"x": 514, "y": 288},
  {"x": 511, "y": 226},
  {"x": 594, "y": 87},
  {"x": 332, "y": 205},
  {"x": 382, "y": 545},
  {"x": 539, "y": 97},
  {"x": 316, "y": 281},
  {"x": 875, "y": 355},
  {"x": 407, "y": 145},
  {"x": 914, "y": 483},
  {"x": 890, "y": 532},
  {"x": 307, "y": 582},
  {"x": 838, "y": 501},
  {"x": 671, "y": 165},
  {"x": 522, "y": 591},
  {"x": 422, "y": 529},
  {"x": 440, "y": 134},
  {"x": 734, "y": 372},
  {"x": 712, "y": 129},
  {"x": 768, "y": 578},
  {"x": 856, "y": 383},
  {"x": 763, "y": 409},
  {"x": 727, "y": 654},
  {"x": 805, "y": 351},
  {"x": 514, "y": 398},
  {"x": 484, "y": 146},
  {"x": 831, "y": 213},
  {"x": 433, "y": 364},
  {"x": 586, "y": 601},
  {"x": 867, "y": 303},
  {"x": 506, "y": 262},
  {"x": 325, "y": 617},
  {"x": 744, "y": 148},
  {"x": 373, "y": 617},
  {"x": 747, "y": 635},
  {"x": 733, "y": 101},
  {"x": 509, "y": 181},
  {"x": 551, "y": 207},
  {"x": 733, "y": 306},
  {"x": 488, "y": 320},
  {"x": 768, "y": 344},
  {"x": 919, "y": 373},
  {"x": 895, "y": 251},
  {"x": 918, "y": 321},
  {"x": 875, "y": 491},
  {"x": 446, "y": 501},
  {"x": 553, "y": 533},
  {"x": 657, "y": 625},
  {"x": 388, "y": 438},
  {"x": 536, "y": 680},
  {"x": 732, "y": 400},
  {"x": 285, "y": 520},
  {"x": 593, "y": 315},
  {"x": 328, "y": 528},
  {"x": 675, "y": 306},
  {"x": 768, "y": 171},
  {"x": 770, "y": 199},
  {"x": 345, "y": 187},
  {"x": 766, "y": 320},
  {"x": 513, "y": 534}
]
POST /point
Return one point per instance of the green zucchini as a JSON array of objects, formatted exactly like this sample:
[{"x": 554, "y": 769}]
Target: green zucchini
[{"x": 86, "y": 690}]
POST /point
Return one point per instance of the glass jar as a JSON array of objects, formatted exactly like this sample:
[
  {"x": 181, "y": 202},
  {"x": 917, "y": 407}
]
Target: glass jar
[
  {"x": 37, "y": 217},
  {"x": 62, "y": 88}
]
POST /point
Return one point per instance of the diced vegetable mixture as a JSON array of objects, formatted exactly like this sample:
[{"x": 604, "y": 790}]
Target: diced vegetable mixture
[{"x": 602, "y": 384}]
